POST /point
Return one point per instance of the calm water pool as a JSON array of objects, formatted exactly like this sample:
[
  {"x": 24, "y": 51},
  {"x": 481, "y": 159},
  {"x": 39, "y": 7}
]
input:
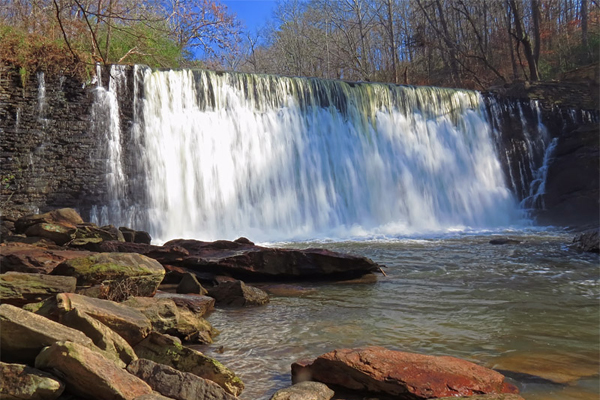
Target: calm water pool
[{"x": 531, "y": 309}]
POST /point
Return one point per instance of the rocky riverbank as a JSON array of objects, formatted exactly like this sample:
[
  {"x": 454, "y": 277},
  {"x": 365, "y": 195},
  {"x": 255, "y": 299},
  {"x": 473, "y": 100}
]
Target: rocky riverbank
[{"x": 84, "y": 316}]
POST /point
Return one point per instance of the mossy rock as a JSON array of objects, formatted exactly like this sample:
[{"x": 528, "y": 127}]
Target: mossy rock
[{"x": 168, "y": 350}]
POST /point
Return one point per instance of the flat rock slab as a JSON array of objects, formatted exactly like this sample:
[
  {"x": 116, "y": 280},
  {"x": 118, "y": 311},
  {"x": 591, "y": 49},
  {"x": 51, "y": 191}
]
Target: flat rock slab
[
  {"x": 34, "y": 259},
  {"x": 175, "y": 384},
  {"x": 406, "y": 375},
  {"x": 19, "y": 288},
  {"x": 128, "y": 322},
  {"x": 194, "y": 302},
  {"x": 167, "y": 350},
  {"x": 502, "y": 396},
  {"x": 90, "y": 374},
  {"x": 244, "y": 260},
  {"x": 304, "y": 391},
  {"x": 23, "y": 382},
  {"x": 24, "y": 334},
  {"x": 97, "y": 268}
]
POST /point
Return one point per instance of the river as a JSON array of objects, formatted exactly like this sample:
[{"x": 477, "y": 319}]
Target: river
[{"x": 529, "y": 310}]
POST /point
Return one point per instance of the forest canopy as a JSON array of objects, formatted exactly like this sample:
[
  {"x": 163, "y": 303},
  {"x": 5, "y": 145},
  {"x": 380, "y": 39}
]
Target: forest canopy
[{"x": 459, "y": 43}]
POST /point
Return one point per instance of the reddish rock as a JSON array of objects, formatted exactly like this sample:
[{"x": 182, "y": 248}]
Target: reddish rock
[
  {"x": 408, "y": 375},
  {"x": 33, "y": 259},
  {"x": 162, "y": 254},
  {"x": 66, "y": 217}
]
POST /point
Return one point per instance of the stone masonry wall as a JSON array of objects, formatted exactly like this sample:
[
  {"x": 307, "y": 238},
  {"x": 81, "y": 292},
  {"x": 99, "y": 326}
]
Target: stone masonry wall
[{"x": 49, "y": 156}]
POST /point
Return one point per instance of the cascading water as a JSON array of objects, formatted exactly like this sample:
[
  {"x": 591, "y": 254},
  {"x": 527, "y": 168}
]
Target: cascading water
[{"x": 277, "y": 158}]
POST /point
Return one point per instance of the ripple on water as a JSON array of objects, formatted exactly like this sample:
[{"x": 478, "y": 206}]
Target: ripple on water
[{"x": 530, "y": 307}]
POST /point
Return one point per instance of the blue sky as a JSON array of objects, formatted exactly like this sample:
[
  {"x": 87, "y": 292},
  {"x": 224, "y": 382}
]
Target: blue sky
[{"x": 253, "y": 13}]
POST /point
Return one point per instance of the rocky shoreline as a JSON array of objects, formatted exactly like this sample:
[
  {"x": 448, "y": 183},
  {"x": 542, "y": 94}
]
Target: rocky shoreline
[{"x": 84, "y": 316}]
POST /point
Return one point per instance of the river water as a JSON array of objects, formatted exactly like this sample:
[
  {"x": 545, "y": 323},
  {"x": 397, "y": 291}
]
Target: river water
[{"x": 530, "y": 308}]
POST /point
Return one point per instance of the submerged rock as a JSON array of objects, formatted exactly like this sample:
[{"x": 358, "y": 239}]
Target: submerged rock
[
  {"x": 89, "y": 374},
  {"x": 504, "y": 240},
  {"x": 23, "y": 382},
  {"x": 414, "y": 376},
  {"x": 175, "y": 384}
]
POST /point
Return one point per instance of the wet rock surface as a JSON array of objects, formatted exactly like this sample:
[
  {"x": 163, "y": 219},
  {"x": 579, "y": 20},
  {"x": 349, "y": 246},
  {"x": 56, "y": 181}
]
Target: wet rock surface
[{"x": 406, "y": 375}]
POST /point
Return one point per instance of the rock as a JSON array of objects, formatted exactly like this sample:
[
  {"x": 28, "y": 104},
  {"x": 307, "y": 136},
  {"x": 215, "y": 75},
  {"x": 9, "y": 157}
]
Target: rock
[
  {"x": 189, "y": 284},
  {"x": 133, "y": 236},
  {"x": 162, "y": 313},
  {"x": 250, "y": 262},
  {"x": 196, "y": 303},
  {"x": 304, "y": 391},
  {"x": 33, "y": 259},
  {"x": 175, "y": 384},
  {"x": 162, "y": 254},
  {"x": 284, "y": 290},
  {"x": 88, "y": 231},
  {"x": 102, "y": 336},
  {"x": 167, "y": 317},
  {"x": 572, "y": 189},
  {"x": 379, "y": 370},
  {"x": 33, "y": 240},
  {"x": 129, "y": 323},
  {"x": 20, "y": 382},
  {"x": 19, "y": 288},
  {"x": 24, "y": 334},
  {"x": 123, "y": 274},
  {"x": 588, "y": 241},
  {"x": 59, "y": 234},
  {"x": 66, "y": 217},
  {"x": 499, "y": 241},
  {"x": 243, "y": 240},
  {"x": 90, "y": 374},
  {"x": 237, "y": 294},
  {"x": 193, "y": 328},
  {"x": 167, "y": 350},
  {"x": 502, "y": 396},
  {"x": 152, "y": 396}
]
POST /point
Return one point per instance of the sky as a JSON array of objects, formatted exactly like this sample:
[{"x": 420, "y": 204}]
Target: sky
[{"x": 253, "y": 13}]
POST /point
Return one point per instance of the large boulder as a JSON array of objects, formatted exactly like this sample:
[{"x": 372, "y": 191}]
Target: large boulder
[
  {"x": 162, "y": 254},
  {"x": 129, "y": 323},
  {"x": 406, "y": 375},
  {"x": 33, "y": 259},
  {"x": 235, "y": 293},
  {"x": 115, "y": 347},
  {"x": 588, "y": 241},
  {"x": 246, "y": 261},
  {"x": 89, "y": 374},
  {"x": 24, "y": 334},
  {"x": 92, "y": 233},
  {"x": 120, "y": 272},
  {"x": 66, "y": 217},
  {"x": 175, "y": 384},
  {"x": 167, "y": 317},
  {"x": 167, "y": 350},
  {"x": 18, "y": 288},
  {"x": 21, "y": 382},
  {"x": 306, "y": 390}
]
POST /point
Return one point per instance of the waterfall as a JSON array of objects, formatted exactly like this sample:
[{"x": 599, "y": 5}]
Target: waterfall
[{"x": 224, "y": 155}]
